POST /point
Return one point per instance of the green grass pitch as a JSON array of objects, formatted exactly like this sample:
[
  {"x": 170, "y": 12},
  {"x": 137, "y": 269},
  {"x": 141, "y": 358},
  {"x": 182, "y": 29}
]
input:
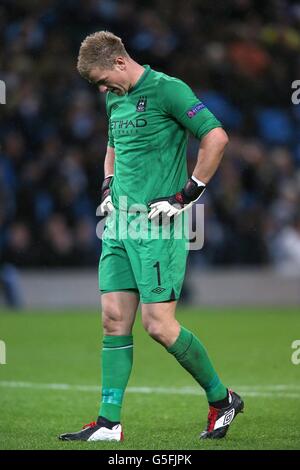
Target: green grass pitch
[{"x": 49, "y": 383}]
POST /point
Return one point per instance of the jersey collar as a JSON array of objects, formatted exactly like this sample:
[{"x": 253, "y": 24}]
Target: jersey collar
[{"x": 141, "y": 79}]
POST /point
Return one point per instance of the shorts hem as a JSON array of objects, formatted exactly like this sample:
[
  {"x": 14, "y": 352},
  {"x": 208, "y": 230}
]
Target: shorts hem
[
  {"x": 128, "y": 289},
  {"x": 158, "y": 301}
]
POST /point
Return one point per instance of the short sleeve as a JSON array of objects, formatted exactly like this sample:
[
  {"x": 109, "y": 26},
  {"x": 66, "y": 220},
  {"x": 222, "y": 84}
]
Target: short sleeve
[{"x": 179, "y": 101}]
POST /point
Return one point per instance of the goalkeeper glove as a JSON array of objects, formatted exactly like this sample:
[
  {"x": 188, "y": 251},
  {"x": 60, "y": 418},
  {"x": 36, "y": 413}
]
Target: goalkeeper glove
[
  {"x": 106, "y": 205},
  {"x": 174, "y": 205}
]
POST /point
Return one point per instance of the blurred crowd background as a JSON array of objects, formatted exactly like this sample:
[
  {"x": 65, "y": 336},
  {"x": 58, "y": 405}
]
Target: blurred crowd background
[{"x": 239, "y": 56}]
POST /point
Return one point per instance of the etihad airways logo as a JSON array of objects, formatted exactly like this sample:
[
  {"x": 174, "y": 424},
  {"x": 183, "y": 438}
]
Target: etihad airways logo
[{"x": 128, "y": 123}]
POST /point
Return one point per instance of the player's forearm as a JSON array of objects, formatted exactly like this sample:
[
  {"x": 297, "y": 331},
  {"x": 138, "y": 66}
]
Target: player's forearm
[
  {"x": 109, "y": 162},
  {"x": 106, "y": 206},
  {"x": 210, "y": 154}
]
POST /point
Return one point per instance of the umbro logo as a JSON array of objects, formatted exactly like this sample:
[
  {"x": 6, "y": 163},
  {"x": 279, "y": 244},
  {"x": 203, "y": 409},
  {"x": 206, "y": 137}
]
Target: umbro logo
[
  {"x": 141, "y": 104},
  {"x": 225, "y": 419},
  {"x": 158, "y": 290},
  {"x": 228, "y": 417}
]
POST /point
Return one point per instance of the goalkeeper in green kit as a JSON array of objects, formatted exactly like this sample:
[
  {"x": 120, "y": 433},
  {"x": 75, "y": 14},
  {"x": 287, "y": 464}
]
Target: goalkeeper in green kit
[{"x": 150, "y": 115}]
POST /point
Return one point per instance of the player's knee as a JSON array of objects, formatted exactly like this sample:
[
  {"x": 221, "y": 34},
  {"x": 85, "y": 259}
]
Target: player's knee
[
  {"x": 155, "y": 329},
  {"x": 112, "y": 320}
]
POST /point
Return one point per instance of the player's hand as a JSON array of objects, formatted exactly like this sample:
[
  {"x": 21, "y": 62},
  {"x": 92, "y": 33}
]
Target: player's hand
[
  {"x": 106, "y": 205},
  {"x": 177, "y": 203}
]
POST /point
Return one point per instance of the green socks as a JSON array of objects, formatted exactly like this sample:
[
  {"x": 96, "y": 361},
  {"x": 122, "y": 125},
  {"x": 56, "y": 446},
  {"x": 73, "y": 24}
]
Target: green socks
[
  {"x": 117, "y": 358},
  {"x": 192, "y": 355}
]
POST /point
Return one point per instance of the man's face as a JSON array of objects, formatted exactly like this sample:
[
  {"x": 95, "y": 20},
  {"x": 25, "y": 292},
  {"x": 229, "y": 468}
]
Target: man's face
[{"x": 114, "y": 80}]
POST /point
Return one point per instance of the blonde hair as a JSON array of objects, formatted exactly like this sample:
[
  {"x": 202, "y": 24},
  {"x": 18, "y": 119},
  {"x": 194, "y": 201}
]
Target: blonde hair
[{"x": 99, "y": 50}]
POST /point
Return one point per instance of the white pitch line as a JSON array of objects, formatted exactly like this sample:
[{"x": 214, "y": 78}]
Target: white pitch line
[
  {"x": 277, "y": 387},
  {"x": 268, "y": 391}
]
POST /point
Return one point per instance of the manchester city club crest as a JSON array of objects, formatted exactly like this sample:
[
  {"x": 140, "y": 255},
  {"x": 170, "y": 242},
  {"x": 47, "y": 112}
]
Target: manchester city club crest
[{"x": 141, "y": 104}]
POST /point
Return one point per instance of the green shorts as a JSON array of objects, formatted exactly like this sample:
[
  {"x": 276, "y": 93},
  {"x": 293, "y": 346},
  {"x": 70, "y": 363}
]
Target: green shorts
[{"x": 151, "y": 265}]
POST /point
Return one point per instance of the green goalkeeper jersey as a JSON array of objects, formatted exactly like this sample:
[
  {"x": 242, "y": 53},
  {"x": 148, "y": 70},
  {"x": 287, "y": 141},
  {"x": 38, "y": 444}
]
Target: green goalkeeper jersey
[{"x": 148, "y": 128}]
